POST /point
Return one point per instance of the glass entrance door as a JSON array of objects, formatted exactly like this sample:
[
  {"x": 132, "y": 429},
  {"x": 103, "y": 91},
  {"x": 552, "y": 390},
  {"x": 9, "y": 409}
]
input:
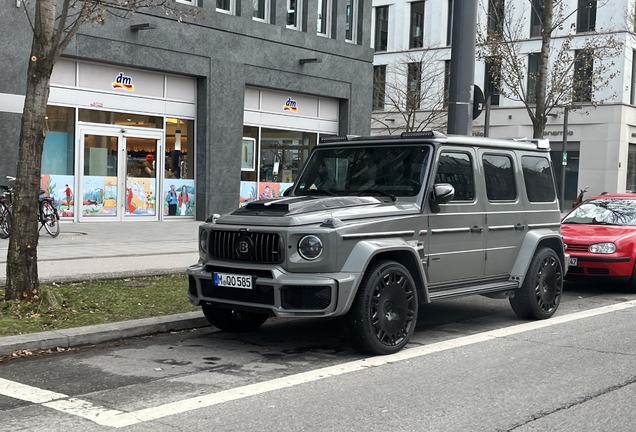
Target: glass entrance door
[
  {"x": 141, "y": 160},
  {"x": 118, "y": 174}
]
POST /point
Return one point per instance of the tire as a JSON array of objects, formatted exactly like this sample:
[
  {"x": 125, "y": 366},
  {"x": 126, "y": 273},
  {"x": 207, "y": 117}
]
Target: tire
[
  {"x": 49, "y": 218},
  {"x": 631, "y": 285},
  {"x": 540, "y": 295},
  {"x": 5, "y": 222},
  {"x": 233, "y": 321},
  {"x": 384, "y": 311}
]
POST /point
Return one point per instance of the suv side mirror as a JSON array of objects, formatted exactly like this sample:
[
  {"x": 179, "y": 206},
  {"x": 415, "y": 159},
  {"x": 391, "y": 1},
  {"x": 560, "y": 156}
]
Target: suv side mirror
[{"x": 442, "y": 193}]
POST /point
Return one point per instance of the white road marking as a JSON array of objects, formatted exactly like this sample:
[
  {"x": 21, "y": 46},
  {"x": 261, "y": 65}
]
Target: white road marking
[
  {"x": 27, "y": 393},
  {"x": 118, "y": 419}
]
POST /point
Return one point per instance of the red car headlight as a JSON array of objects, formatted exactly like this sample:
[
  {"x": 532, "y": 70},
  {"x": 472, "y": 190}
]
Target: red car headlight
[{"x": 603, "y": 248}]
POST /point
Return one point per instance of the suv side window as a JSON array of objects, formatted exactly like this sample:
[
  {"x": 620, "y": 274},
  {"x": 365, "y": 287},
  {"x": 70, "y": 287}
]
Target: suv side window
[
  {"x": 457, "y": 169},
  {"x": 500, "y": 178},
  {"x": 537, "y": 175}
]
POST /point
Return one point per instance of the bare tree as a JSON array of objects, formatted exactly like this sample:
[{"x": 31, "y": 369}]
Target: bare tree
[
  {"x": 412, "y": 92},
  {"x": 54, "y": 24},
  {"x": 570, "y": 70}
]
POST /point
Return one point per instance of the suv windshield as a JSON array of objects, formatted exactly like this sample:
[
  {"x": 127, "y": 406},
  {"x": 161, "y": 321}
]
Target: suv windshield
[
  {"x": 604, "y": 211},
  {"x": 379, "y": 170}
]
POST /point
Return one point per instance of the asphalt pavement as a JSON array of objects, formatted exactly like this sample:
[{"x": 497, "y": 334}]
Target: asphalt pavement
[{"x": 103, "y": 250}]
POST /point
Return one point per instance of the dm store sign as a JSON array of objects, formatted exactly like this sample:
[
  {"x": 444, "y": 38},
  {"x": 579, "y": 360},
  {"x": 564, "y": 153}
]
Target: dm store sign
[
  {"x": 124, "y": 82},
  {"x": 291, "y": 105}
]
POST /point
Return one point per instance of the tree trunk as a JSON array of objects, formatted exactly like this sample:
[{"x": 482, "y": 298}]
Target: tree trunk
[
  {"x": 539, "y": 120},
  {"x": 22, "y": 265}
]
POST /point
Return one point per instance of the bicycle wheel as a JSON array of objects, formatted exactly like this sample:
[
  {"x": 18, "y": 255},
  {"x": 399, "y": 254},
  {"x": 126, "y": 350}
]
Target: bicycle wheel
[
  {"x": 5, "y": 221},
  {"x": 48, "y": 218}
]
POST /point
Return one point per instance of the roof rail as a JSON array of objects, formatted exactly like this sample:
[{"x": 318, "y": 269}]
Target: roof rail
[
  {"x": 542, "y": 143},
  {"x": 423, "y": 134}
]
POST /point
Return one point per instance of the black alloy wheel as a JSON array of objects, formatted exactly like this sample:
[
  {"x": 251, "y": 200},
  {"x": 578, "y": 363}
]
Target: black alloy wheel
[
  {"x": 540, "y": 295},
  {"x": 384, "y": 312}
]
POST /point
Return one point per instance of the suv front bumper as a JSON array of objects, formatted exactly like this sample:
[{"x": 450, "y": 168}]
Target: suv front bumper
[{"x": 283, "y": 294}]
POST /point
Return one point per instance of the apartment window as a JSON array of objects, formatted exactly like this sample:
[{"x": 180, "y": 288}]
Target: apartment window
[
  {"x": 586, "y": 21},
  {"x": 417, "y": 25},
  {"x": 449, "y": 23},
  {"x": 493, "y": 72},
  {"x": 495, "y": 17},
  {"x": 294, "y": 14},
  {"x": 447, "y": 64},
  {"x": 351, "y": 20},
  {"x": 381, "y": 28},
  {"x": 226, "y": 6},
  {"x": 324, "y": 12},
  {"x": 536, "y": 20},
  {"x": 533, "y": 75},
  {"x": 261, "y": 10},
  {"x": 413, "y": 86},
  {"x": 583, "y": 69},
  {"x": 379, "y": 86}
]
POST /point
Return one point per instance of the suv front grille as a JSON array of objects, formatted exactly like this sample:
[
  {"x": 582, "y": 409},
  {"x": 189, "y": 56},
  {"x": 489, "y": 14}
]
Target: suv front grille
[{"x": 267, "y": 247}]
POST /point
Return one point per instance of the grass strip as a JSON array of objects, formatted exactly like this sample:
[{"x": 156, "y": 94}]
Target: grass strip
[{"x": 61, "y": 306}]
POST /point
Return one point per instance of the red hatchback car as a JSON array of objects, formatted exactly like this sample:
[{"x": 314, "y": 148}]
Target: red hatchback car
[{"x": 600, "y": 236}]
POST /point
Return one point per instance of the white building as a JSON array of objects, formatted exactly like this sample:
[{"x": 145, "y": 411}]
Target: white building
[{"x": 601, "y": 142}]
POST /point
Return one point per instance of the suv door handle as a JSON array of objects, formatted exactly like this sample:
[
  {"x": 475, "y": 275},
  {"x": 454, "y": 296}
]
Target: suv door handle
[
  {"x": 520, "y": 227},
  {"x": 476, "y": 229}
]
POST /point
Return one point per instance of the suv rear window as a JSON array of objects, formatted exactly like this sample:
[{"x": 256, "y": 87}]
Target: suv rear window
[
  {"x": 537, "y": 175},
  {"x": 500, "y": 178}
]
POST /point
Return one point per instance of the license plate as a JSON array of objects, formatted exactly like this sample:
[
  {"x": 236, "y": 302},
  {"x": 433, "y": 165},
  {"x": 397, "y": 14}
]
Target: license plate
[
  {"x": 233, "y": 280},
  {"x": 574, "y": 262}
]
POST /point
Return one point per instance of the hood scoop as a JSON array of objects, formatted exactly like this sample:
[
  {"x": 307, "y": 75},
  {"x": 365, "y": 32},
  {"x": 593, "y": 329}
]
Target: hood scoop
[{"x": 289, "y": 206}]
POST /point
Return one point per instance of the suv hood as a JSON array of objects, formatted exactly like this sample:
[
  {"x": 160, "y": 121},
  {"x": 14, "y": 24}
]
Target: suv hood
[{"x": 303, "y": 210}]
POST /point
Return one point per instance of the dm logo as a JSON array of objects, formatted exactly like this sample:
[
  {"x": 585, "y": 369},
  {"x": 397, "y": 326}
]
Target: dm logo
[
  {"x": 290, "y": 105},
  {"x": 124, "y": 82}
]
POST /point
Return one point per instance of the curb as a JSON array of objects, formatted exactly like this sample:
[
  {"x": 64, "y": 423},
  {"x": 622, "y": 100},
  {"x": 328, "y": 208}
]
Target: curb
[{"x": 91, "y": 335}]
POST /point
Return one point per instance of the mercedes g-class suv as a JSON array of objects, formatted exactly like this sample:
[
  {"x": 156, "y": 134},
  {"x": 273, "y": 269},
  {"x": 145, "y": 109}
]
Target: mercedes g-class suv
[{"x": 372, "y": 227}]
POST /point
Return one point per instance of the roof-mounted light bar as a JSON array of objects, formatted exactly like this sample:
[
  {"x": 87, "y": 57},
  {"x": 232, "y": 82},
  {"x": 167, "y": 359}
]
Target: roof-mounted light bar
[{"x": 423, "y": 134}]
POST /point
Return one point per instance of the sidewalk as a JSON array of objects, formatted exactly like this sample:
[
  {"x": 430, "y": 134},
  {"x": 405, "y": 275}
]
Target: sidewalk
[{"x": 101, "y": 250}]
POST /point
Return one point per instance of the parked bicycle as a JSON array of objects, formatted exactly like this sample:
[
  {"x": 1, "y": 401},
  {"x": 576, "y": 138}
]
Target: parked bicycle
[
  {"x": 6, "y": 201},
  {"x": 47, "y": 215}
]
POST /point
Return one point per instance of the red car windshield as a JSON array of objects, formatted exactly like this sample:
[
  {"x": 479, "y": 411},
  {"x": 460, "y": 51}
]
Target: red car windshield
[{"x": 611, "y": 211}]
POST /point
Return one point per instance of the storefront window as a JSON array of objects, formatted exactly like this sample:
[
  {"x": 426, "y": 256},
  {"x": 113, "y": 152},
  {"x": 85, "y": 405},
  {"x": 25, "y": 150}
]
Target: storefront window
[
  {"x": 123, "y": 119},
  {"x": 58, "y": 158},
  {"x": 178, "y": 184},
  {"x": 279, "y": 155}
]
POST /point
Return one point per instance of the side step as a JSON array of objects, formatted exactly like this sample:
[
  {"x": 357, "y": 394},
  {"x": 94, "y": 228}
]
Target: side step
[{"x": 472, "y": 290}]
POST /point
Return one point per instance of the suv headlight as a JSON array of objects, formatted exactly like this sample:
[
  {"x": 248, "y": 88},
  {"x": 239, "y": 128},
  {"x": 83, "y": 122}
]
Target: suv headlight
[
  {"x": 603, "y": 248},
  {"x": 203, "y": 241},
  {"x": 310, "y": 247}
]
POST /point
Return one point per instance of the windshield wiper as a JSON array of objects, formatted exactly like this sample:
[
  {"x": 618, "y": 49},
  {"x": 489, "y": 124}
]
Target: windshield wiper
[{"x": 376, "y": 192}]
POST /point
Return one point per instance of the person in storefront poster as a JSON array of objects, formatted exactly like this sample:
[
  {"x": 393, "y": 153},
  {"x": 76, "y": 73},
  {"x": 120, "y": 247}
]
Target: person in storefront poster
[
  {"x": 172, "y": 200},
  {"x": 69, "y": 196},
  {"x": 183, "y": 199}
]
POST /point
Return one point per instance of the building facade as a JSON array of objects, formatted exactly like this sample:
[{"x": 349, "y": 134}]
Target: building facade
[
  {"x": 601, "y": 139},
  {"x": 150, "y": 118}
]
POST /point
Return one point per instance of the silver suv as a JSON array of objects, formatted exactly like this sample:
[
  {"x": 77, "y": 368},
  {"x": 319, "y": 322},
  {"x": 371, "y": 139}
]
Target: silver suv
[{"x": 373, "y": 227}]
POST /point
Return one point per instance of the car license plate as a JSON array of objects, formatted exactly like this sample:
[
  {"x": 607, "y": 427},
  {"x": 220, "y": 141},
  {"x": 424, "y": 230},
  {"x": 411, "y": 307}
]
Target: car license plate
[
  {"x": 233, "y": 280},
  {"x": 574, "y": 261}
]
